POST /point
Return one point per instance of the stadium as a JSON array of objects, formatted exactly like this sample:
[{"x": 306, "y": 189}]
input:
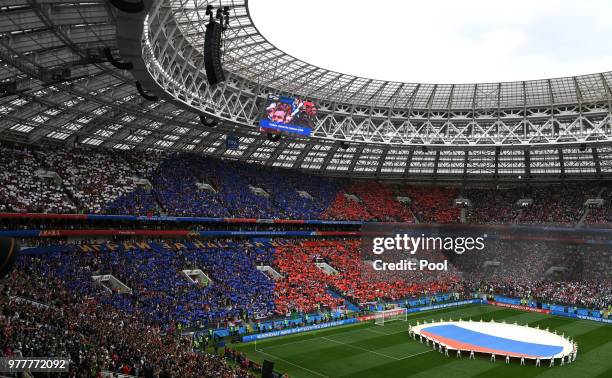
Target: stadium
[{"x": 181, "y": 197}]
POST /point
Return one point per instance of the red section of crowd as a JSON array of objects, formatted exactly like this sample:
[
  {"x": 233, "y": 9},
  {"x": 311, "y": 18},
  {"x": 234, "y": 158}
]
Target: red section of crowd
[
  {"x": 344, "y": 208},
  {"x": 433, "y": 204},
  {"x": 373, "y": 202},
  {"x": 306, "y": 286},
  {"x": 380, "y": 202}
]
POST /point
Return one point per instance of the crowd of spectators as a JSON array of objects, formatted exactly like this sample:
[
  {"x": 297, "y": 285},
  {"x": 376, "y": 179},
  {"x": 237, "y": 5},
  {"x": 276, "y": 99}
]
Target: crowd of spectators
[
  {"x": 307, "y": 287},
  {"x": 50, "y": 305},
  {"x": 491, "y": 205},
  {"x": 380, "y": 202},
  {"x": 433, "y": 204},
  {"x": 91, "y": 178},
  {"x": 304, "y": 286},
  {"x": 242, "y": 360},
  {"x": 602, "y": 215},
  {"x": 176, "y": 190},
  {"x": 40, "y": 316},
  {"x": 138, "y": 202},
  {"x": 142, "y": 200},
  {"x": 183, "y": 184},
  {"x": 551, "y": 272},
  {"x": 299, "y": 196},
  {"x": 237, "y": 184},
  {"x": 21, "y": 189},
  {"x": 539, "y": 270},
  {"x": 347, "y": 207},
  {"x": 369, "y": 201},
  {"x": 162, "y": 292},
  {"x": 586, "y": 294},
  {"x": 192, "y": 185},
  {"x": 557, "y": 204}
]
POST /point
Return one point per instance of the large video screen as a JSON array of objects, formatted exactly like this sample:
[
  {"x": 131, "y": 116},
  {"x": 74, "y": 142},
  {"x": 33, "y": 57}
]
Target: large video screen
[{"x": 288, "y": 114}]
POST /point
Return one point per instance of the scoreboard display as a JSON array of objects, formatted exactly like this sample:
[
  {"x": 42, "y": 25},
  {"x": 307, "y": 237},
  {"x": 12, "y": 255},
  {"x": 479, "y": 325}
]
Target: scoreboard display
[{"x": 289, "y": 115}]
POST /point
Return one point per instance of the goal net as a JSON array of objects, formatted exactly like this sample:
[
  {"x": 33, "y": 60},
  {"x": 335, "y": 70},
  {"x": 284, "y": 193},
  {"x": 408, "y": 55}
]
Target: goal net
[{"x": 382, "y": 317}]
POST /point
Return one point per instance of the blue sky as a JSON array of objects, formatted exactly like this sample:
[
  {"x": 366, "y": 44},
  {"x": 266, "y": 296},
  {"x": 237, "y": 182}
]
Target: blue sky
[{"x": 443, "y": 41}]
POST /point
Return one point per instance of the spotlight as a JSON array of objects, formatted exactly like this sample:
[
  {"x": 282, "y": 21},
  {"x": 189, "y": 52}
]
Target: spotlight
[
  {"x": 8, "y": 87},
  {"x": 208, "y": 122},
  {"x": 274, "y": 137}
]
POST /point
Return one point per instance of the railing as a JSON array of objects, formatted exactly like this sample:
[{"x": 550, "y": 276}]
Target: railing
[{"x": 155, "y": 218}]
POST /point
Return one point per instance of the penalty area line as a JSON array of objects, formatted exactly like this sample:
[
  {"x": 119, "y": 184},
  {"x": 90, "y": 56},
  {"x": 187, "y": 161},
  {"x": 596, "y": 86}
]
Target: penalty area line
[
  {"x": 291, "y": 363},
  {"x": 360, "y": 348},
  {"x": 290, "y": 343},
  {"x": 416, "y": 354},
  {"x": 381, "y": 333}
]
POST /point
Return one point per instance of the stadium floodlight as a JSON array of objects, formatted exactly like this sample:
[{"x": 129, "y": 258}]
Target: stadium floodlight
[{"x": 274, "y": 137}]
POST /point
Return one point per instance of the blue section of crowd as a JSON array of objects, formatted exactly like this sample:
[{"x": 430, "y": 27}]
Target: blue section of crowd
[
  {"x": 162, "y": 293},
  {"x": 232, "y": 191}
]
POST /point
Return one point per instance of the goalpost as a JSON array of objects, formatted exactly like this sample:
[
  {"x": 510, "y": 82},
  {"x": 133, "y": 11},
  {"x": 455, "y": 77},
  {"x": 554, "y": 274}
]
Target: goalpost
[{"x": 398, "y": 313}]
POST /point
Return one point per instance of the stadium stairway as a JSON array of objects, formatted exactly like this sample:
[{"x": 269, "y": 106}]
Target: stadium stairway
[
  {"x": 517, "y": 216},
  {"x": 585, "y": 213},
  {"x": 71, "y": 196},
  {"x": 347, "y": 303},
  {"x": 586, "y": 210}
]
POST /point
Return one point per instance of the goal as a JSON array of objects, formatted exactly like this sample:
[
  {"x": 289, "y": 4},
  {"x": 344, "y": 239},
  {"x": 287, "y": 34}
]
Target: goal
[{"x": 382, "y": 317}]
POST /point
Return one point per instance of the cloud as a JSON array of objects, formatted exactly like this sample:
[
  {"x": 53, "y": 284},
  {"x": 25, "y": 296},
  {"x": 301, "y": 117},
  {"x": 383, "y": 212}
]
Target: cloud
[{"x": 443, "y": 41}]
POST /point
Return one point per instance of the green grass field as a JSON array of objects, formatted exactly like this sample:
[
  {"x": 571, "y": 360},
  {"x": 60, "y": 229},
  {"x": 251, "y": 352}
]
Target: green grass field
[{"x": 368, "y": 350}]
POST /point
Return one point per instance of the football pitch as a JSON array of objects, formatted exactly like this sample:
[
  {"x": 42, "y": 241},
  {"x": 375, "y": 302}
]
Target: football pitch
[{"x": 368, "y": 350}]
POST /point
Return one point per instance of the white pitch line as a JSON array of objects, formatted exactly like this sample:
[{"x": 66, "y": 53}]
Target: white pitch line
[
  {"x": 342, "y": 333},
  {"x": 360, "y": 348},
  {"x": 380, "y": 333},
  {"x": 291, "y": 343},
  {"x": 416, "y": 354},
  {"x": 414, "y": 316},
  {"x": 419, "y": 315},
  {"x": 291, "y": 363}
]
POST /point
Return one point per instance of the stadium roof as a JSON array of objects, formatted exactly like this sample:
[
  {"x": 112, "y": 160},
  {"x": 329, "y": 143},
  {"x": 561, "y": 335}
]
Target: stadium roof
[
  {"x": 58, "y": 87},
  {"x": 442, "y": 41}
]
